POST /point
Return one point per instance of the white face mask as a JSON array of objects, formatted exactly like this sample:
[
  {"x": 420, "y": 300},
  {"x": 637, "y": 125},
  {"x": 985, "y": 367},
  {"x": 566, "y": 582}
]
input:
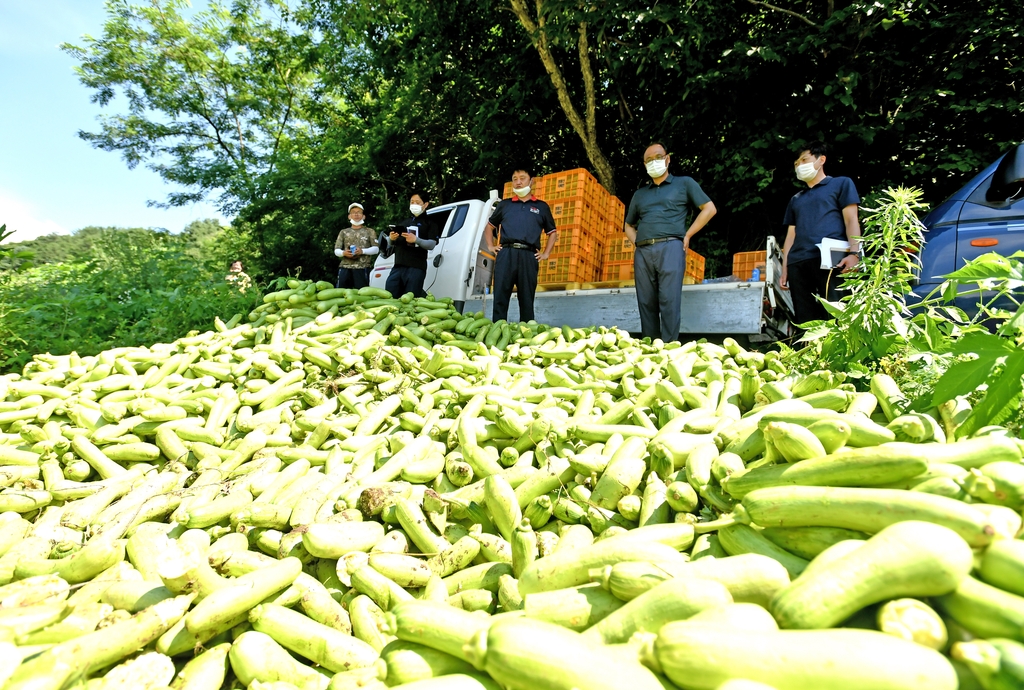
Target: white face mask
[
  {"x": 656, "y": 168},
  {"x": 415, "y": 209},
  {"x": 806, "y": 171},
  {"x": 521, "y": 191},
  {"x": 356, "y": 223}
]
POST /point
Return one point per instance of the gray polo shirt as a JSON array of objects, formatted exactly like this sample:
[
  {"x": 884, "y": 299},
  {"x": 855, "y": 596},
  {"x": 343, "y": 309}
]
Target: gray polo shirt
[{"x": 663, "y": 210}]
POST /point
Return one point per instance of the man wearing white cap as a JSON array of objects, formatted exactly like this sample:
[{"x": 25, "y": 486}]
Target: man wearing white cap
[{"x": 356, "y": 246}]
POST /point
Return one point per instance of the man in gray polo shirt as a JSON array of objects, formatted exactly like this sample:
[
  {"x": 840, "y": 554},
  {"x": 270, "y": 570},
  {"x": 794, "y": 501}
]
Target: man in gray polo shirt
[{"x": 656, "y": 223}]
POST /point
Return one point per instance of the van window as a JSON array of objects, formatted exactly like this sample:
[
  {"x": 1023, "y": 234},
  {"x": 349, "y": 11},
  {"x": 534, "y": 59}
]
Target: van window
[
  {"x": 441, "y": 218},
  {"x": 987, "y": 195},
  {"x": 461, "y": 211}
]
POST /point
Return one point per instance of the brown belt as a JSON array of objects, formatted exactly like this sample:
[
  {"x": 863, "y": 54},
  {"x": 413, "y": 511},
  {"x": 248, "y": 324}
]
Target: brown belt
[{"x": 646, "y": 243}]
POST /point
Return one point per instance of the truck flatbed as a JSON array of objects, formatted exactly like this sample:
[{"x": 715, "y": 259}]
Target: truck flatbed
[
  {"x": 460, "y": 267},
  {"x": 726, "y": 308}
]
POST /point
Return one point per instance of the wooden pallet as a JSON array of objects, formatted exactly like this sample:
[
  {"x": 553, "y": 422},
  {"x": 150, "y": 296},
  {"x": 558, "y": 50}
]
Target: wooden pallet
[
  {"x": 606, "y": 284},
  {"x": 555, "y": 287}
]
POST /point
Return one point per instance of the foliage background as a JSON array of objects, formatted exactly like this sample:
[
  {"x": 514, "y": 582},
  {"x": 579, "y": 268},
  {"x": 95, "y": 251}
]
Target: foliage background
[
  {"x": 108, "y": 287},
  {"x": 285, "y": 111},
  {"x": 288, "y": 110}
]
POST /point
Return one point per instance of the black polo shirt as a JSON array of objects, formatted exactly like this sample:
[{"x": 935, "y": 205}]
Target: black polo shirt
[
  {"x": 817, "y": 213},
  {"x": 523, "y": 220},
  {"x": 663, "y": 210}
]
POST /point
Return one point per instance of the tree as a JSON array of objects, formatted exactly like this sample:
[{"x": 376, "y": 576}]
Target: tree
[
  {"x": 209, "y": 99},
  {"x": 585, "y": 123},
  {"x": 369, "y": 99},
  {"x": 410, "y": 94}
]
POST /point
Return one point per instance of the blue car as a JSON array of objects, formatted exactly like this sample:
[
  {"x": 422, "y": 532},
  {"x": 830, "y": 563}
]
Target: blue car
[{"x": 985, "y": 215}]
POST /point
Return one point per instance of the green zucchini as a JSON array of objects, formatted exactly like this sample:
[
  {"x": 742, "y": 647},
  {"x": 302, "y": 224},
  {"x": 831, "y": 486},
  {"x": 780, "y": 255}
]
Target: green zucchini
[
  {"x": 984, "y": 610},
  {"x": 705, "y": 657},
  {"x": 526, "y": 654},
  {"x": 743, "y": 539},
  {"x": 1002, "y": 565},
  {"x": 863, "y": 510},
  {"x": 808, "y": 542},
  {"x": 674, "y": 599},
  {"x": 571, "y": 567},
  {"x": 906, "y": 559},
  {"x": 863, "y": 467}
]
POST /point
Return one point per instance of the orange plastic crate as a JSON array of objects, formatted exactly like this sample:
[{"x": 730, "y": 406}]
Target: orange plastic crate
[
  {"x": 694, "y": 268},
  {"x": 577, "y": 182},
  {"x": 617, "y": 270},
  {"x": 579, "y": 240},
  {"x": 618, "y": 249},
  {"x": 566, "y": 269},
  {"x": 616, "y": 211},
  {"x": 574, "y": 211},
  {"x": 744, "y": 263}
]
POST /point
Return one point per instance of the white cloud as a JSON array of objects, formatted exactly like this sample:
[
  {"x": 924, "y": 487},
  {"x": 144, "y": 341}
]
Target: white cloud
[{"x": 27, "y": 221}]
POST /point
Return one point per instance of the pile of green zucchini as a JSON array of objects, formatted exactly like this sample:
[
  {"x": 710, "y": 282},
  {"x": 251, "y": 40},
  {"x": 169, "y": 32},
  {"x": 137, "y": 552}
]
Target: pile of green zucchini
[{"x": 346, "y": 490}]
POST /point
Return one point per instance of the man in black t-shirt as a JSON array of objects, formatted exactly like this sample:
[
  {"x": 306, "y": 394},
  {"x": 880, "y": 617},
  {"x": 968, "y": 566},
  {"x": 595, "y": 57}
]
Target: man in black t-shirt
[
  {"x": 521, "y": 220},
  {"x": 827, "y": 208},
  {"x": 410, "y": 240}
]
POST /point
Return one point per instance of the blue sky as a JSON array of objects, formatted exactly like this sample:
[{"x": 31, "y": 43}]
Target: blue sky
[{"x": 50, "y": 180}]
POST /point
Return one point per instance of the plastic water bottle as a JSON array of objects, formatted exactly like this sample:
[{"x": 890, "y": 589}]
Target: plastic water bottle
[{"x": 755, "y": 277}]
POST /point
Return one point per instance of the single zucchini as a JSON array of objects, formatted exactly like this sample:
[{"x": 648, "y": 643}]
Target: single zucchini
[
  {"x": 526, "y": 654},
  {"x": 907, "y": 559},
  {"x": 705, "y": 657}
]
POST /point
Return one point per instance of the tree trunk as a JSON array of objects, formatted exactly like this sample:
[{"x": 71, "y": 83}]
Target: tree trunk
[{"x": 584, "y": 125}]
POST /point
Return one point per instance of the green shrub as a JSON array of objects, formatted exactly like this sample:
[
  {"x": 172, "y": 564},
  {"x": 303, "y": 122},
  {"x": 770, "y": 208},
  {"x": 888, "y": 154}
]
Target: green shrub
[{"x": 136, "y": 287}]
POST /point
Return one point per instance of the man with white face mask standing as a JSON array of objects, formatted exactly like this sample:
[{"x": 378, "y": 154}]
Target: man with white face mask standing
[
  {"x": 656, "y": 223},
  {"x": 827, "y": 208},
  {"x": 356, "y": 246},
  {"x": 522, "y": 219},
  {"x": 410, "y": 241}
]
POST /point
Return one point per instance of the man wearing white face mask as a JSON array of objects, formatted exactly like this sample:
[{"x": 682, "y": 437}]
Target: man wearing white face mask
[
  {"x": 656, "y": 223},
  {"x": 410, "y": 240},
  {"x": 827, "y": 208},
  {"x": 522, "y": 220},
  {"x": 356, "y": 246}
]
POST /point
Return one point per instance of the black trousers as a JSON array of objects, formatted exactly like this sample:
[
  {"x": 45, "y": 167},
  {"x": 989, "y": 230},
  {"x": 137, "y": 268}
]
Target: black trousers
[
  {"x": 659, "y": 270},
  {"x": 353, "y": 278},
  {"x": 403, "y": 279},
  {"x": 514, "y": 268},
  {"x": 807, "y": 280}
]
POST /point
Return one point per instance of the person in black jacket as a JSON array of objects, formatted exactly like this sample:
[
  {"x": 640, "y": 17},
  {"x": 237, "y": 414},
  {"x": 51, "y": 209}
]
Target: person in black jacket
[{"x": 410, "y": 240}]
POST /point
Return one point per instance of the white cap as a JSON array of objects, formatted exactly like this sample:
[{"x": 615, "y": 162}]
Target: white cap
[{"x": 357, "y": 205}]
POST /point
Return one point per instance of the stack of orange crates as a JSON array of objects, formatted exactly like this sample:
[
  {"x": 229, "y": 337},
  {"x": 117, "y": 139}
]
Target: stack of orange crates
[
  {"x": 744, "y": 263},
  {"x": 592, "y": 245},
  {"x": 617, "y": 263}
]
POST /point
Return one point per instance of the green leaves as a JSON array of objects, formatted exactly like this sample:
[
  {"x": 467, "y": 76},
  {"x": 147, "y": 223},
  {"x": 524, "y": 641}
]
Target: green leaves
[
  {"x": 123, "y": 287},
  {"x": 869, "y": 324},
  {"x": 209, "y": 98},
  {"x": 942, "y": 353}
]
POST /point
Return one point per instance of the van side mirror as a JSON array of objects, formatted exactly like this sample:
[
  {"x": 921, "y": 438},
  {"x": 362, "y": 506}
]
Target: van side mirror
[{"x": 1009, "y": 175}]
